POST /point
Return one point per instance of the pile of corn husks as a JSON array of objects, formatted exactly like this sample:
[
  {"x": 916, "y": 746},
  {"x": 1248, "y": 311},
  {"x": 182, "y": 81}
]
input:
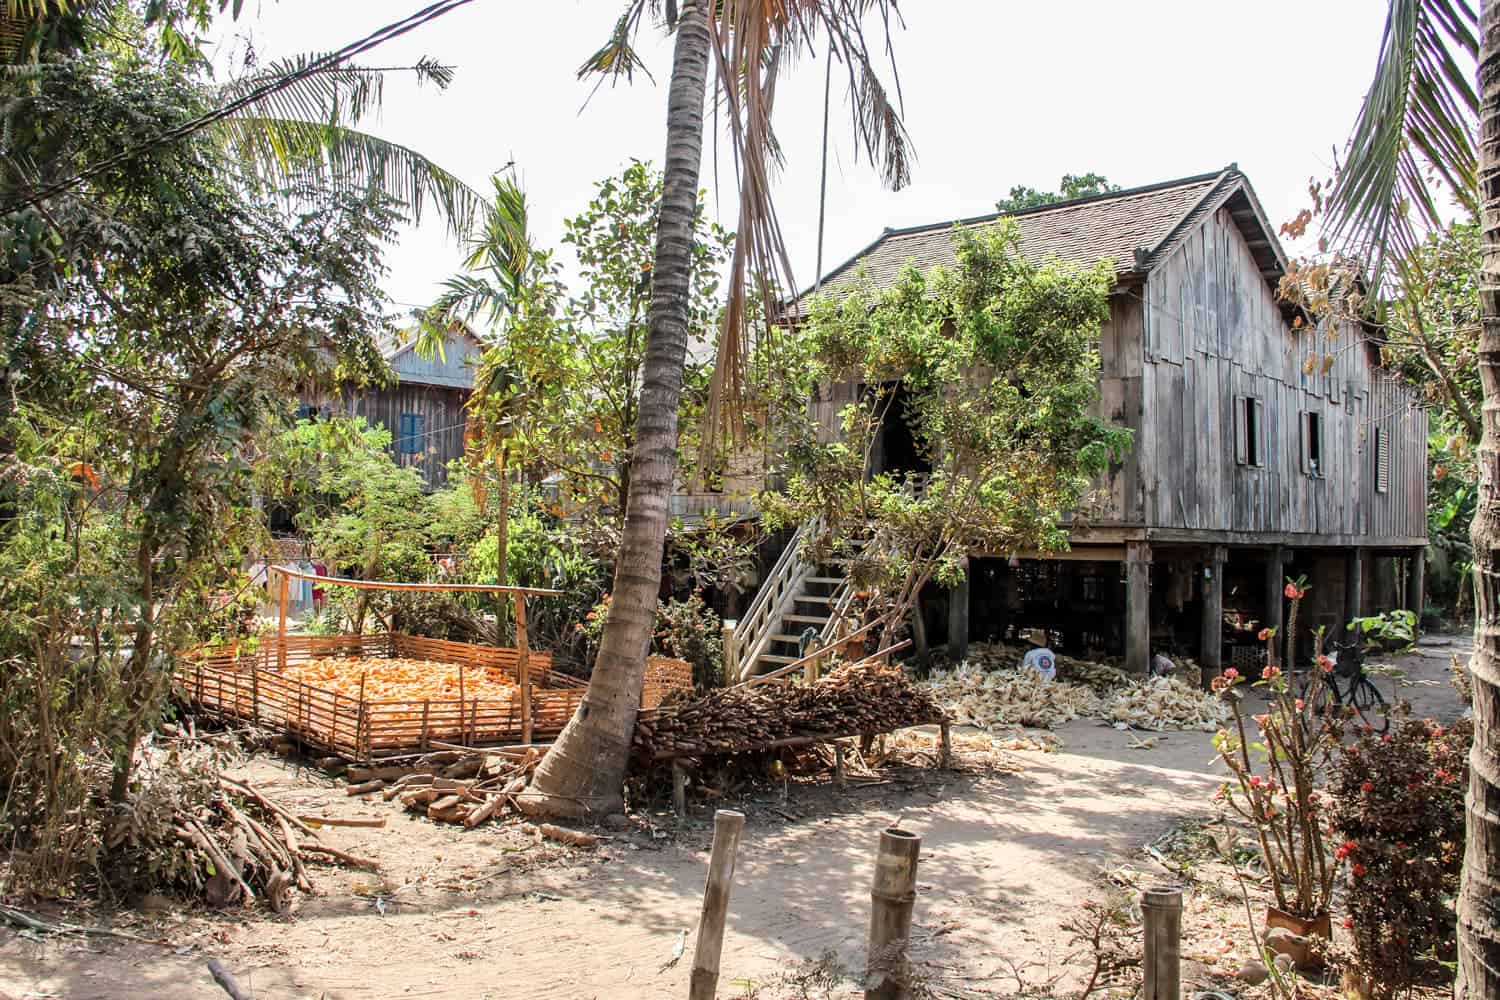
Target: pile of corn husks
[
  {"x": 1166, "y": 703},
  {"x": 976, "y": 693},
  {"x": 1003, "y": 699}
]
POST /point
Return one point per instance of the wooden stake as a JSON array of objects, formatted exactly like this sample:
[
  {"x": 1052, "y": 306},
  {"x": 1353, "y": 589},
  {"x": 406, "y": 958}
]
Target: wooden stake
[
  {"x": 281, "y": 630},
  {"x": 523, "y": 667},
  {"x": 945, "y": 745},
  {"x": 679, "y": 789},
  {"x": 710, "y": 944},
  {"x": 887, "y": 969},
  {"x": 1161, "y": 912},
  {"x": 838, "y": 763}
]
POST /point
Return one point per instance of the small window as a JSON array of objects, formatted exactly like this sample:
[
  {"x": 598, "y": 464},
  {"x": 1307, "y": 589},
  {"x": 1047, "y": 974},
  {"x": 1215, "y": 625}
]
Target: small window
[
  {"x": 411, "y": 433},
  {"x": 1382, "y": 461},
  {"x": 1247, "y": 419},
  {"x": 1312, "y": 444}
]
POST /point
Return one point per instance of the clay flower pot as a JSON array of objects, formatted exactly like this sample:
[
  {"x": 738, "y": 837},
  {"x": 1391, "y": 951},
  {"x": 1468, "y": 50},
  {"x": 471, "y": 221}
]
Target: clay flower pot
[{"x": 1309, "y": 934}]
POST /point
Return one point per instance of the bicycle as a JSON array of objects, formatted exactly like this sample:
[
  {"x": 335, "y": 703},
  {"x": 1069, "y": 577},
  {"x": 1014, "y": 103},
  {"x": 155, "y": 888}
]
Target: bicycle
[{"x": 1348, "y": 686}]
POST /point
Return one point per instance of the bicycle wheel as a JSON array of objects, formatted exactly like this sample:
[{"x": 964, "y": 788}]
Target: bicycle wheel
[{"x": 1369, "y": 704}]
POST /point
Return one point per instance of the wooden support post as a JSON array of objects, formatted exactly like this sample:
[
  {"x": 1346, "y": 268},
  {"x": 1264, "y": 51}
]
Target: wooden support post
[
  {"x": 710, "y": 944},
  {"x": 1354, "y": 584},
  {"x": 1275, "y": 563},
  {"x": 1137, "y": 608},
  {"x": 838, "y": 763},
  {"x": 1211, "y": 641},
  {"x": 958, "y": 621},
  {"x": 281, "y": 630},
  {"x": 887, "y": 970},
  {"x": 679, "y": 789},
  {"x": 1416, "y": 587},
  {"x": 731, "y": 664},
  {"x": 945, "y": 746},
  {"x": 523, "y": 668},
  {"x": 1161, "y": 912}
]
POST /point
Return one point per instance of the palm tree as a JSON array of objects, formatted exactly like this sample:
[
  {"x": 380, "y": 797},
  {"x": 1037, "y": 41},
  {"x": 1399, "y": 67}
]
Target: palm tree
[
  {"x": 504, "y": 276},
  {"x": 1414, "y": 138},
  {"x": 746, "y": 44}
]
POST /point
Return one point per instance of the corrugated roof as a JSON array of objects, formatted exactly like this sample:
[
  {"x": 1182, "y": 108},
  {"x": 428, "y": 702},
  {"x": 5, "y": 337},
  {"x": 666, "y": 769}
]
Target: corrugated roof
[{"x": 1134, "y": 228}]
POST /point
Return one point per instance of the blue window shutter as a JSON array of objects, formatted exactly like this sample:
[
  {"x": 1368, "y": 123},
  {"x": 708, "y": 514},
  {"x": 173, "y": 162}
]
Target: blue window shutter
[{"x": 411, "y": 433}]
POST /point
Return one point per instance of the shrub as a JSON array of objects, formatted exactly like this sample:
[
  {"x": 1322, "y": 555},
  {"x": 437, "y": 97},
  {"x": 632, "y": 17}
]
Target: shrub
[
  {"x": 690, "y": 630},
  {"x": 1399, "y": 811}
]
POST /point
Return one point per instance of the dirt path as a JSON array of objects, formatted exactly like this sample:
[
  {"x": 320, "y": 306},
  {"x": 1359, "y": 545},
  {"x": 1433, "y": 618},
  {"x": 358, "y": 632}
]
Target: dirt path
[{"x": 490, "y": 913}]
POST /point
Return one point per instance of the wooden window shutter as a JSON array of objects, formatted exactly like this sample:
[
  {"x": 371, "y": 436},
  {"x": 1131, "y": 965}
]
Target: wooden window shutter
[
  {"x": 1305, "y": 442},
  {"x": 1241, "y": 431},
  {"x": 1382, "y": 461},
  {"x": 1256, "y": 436}
]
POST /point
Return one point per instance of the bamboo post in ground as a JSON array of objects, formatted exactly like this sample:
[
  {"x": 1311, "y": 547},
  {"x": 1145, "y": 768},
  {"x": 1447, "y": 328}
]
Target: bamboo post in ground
[
  {"x": 705, "y": 978},
  {"x": 679, "y": 789},
  {"x": 730, "y": 666},
  {"x": 523, "y": 668},
  {"x": 1161, "y": 912},
  {"x": 838, "y": 763},
  {"x": 945, "y": 745},
  {"x": 887, "y": 970},
  {"x": 286, "y": 584}
]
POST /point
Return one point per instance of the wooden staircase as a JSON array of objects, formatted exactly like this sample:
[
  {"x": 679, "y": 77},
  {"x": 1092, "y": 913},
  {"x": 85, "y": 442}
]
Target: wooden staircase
[{"x": 797, "y": 597}]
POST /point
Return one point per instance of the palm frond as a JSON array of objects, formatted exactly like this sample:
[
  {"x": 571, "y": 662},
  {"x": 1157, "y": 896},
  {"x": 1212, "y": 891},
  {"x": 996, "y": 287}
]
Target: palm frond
[
  {"x": 309, "y": 130},
  {"x": 753, "y": 43},
  {"x": 617, "y": 59},
  {"x": 1415, "y": 135}
]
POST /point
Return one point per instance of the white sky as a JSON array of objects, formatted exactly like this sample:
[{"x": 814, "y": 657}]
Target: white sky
[{"x": 996, "y": 94}]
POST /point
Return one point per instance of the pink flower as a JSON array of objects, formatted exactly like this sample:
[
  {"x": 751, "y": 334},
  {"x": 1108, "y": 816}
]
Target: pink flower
[
  {"x": 1266, "y": 633},
  {"x": 1325, "y": 664},
  {"x": 1344, "y": 850},
  {"x": 1232, "y": 674},
  {"x": 1367, "y": 787},
  {"x": 1358, "y": 869},
  {"x": 1270, "y": 673},
  {"x": 1255, "y": 781},
  {"x": 1292, "y": 593},
  {"x": 1349, "y": 923}
]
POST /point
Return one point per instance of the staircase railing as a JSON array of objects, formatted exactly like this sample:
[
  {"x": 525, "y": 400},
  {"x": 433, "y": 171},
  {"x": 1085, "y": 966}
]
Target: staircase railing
[{"x": 753, "y": 634}]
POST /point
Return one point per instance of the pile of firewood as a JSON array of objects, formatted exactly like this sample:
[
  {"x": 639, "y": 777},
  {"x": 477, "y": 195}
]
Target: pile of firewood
[
  {"x": 853, "y": 699},
  {"x": 458, "y": 786}
]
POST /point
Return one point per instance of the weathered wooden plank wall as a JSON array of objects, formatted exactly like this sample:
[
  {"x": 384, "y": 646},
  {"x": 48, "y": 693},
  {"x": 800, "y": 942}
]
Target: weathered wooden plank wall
[
  {"x": 442, "y": 414},
  {"x": 1215, "y": 335}
]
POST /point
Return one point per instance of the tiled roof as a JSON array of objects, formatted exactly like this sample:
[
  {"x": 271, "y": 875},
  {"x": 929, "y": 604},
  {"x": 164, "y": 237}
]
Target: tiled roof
[{"x": 1083, "y": 231}]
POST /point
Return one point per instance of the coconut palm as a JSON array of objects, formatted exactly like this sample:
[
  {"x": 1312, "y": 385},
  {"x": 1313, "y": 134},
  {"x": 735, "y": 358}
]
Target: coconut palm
[
  {"x": 745, "y": 44},
  {"x": 294, "y": 121},
  {"x": 1414, "y": 141}
]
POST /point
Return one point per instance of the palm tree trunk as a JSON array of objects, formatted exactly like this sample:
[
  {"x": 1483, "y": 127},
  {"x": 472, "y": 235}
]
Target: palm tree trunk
[
  {"x": 1479, "y": 896},
  {"x": 585, "y": 770}
]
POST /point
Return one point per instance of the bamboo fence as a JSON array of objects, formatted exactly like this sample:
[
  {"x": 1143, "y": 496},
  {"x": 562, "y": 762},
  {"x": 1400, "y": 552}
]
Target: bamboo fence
[{"x": 250, "y": 686}]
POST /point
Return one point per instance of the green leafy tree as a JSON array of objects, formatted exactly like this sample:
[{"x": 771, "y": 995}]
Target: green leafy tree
[
  {"x": 998, "y": 364},
  {"x": 170, "y": 314},
  {"x": 365, "y": 515},
  {"x": 1071, "y": 186},
  {"x": 576, "y": 369}
]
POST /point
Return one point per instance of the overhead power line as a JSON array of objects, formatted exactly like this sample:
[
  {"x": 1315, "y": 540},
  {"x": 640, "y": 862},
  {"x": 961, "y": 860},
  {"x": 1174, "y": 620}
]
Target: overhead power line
[{"x": 322, "y": 64}]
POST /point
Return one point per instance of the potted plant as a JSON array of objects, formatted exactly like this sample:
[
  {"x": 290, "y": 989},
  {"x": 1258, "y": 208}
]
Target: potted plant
[{"x": 1274, "y": 759}]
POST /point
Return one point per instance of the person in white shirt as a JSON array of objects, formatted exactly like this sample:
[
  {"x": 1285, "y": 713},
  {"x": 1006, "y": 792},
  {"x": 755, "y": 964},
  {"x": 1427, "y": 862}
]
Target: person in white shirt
[{"x": 1040, "y": 658}]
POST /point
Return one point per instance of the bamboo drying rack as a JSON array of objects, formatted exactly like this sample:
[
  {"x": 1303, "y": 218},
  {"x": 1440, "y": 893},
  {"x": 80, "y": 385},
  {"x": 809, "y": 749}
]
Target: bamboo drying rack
[{"x": 253, "y": 686}]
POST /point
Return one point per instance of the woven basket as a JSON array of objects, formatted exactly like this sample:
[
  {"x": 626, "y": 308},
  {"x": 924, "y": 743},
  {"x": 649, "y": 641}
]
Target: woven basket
[{"x": 663, "y": 676}]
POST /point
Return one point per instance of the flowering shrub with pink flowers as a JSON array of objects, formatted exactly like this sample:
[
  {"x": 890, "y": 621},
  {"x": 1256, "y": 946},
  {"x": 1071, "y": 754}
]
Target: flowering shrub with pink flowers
[
  {"x": 1399, "y": 815},
  {"x": 1275, "y": 758}
]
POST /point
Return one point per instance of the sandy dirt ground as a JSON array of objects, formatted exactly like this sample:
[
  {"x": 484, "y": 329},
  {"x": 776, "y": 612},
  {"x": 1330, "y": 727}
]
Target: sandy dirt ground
[{"x": 1008, "y": 854}]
